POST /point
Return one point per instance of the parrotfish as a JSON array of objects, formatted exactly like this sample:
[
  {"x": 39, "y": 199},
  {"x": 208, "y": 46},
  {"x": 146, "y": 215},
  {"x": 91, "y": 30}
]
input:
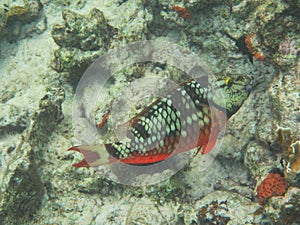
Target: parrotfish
[{"x": 187, "y": 118}]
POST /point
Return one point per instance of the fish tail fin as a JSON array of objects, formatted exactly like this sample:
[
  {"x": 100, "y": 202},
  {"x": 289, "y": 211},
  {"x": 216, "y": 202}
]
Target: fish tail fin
[{"x": 94, "y": 155}]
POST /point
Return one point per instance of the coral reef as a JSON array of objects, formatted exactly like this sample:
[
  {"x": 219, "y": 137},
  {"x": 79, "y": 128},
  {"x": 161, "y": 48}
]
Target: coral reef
[
  {"x": 210, "y": 214},
  {"x": 294, "y": 159},
  {"x": 274, "y": 20},
  {"x": 49, "y": 107},
  {"x": 131, "y": 19},
  {"x": 37, "y": 181},
  {"x": 258, "y": 126},
  {"x": 15, "y": 15},
  {"x": 258, "y": 159},
  {"x": 289, "y": 207},
  {"x": 287, "y": 53},
  {"x": 82, "y": 39},
  {"x": 145, "y": 211},
  {"x": 290, "y": 155},
  {"x": 21, "y": 185},
  {"x": 288, "y": 48},
  {"x": 285, "y": 95},
  {"x": 12, "y": 119},
  {"x": 85, "y": 33},
  {"x": 26, "y": 13},
  {"x": 182, "y": 12},
  {"x": 220, "y": 206},
  {"x": 3, "y": 18},
  {"x": 273, "y": 185},
  {"x": 282, "y": 210},
  {"x": 285, "y": 100},
  {"x": 252, "y": 48}
]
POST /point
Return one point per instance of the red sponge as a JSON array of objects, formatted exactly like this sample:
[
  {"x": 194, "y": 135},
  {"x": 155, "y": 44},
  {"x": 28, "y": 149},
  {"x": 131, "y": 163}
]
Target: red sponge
[{"x": 273, "y": 185}]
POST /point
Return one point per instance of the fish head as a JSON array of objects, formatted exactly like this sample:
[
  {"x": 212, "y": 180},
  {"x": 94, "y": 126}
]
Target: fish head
[{"x": 229, "y": 93}]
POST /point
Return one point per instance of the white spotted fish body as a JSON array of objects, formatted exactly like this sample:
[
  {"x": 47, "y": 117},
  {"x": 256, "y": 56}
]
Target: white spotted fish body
[{"x": 179, "y": 122}]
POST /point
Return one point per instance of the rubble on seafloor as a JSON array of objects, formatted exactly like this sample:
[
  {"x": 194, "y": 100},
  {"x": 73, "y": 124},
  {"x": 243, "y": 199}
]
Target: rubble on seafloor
[
  {"x": 23, "y": 143},
  {"x": 45, "y": 49},
  {"x": 20, "y": 18},
  {"x": 82, "y": 39}
]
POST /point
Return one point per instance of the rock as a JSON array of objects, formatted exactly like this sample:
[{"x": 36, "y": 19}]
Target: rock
[
  {"x": 81, "y": 40},
  {"x": 73, "y": 60},
  {"x": 12, "y": 119},
  {"x": 259, "y": 160},
  {"x": 218, "y": 176},
  {"x": 145, "y": 212},
  {"x": 285, "y": 96},
  {"x": 284, "y": 92},
  {"x": 252, "y": 121},
  {"x": 284, "y": 208},
  {"x": 21, "y": 187},
  {"x": 87, "y": 33},
  {"x": 221, "y": 207},
  {"x": 46, "y": 118},
  {"x": 15, "y": 14},
  {"x": 136, "y": 211},
  {"x": 27, "y": 12}
]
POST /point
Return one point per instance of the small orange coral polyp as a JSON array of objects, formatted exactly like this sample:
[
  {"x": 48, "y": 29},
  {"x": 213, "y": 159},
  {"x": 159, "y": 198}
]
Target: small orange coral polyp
[
  {"x": 182, "y": 12},
  {"x": 259, "y": 56},
  {"x": 272, "y": 185}
]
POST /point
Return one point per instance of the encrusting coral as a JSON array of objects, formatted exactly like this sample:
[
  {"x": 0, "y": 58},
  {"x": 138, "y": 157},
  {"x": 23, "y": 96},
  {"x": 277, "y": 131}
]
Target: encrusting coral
[{"x": 273, "y": 185}]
